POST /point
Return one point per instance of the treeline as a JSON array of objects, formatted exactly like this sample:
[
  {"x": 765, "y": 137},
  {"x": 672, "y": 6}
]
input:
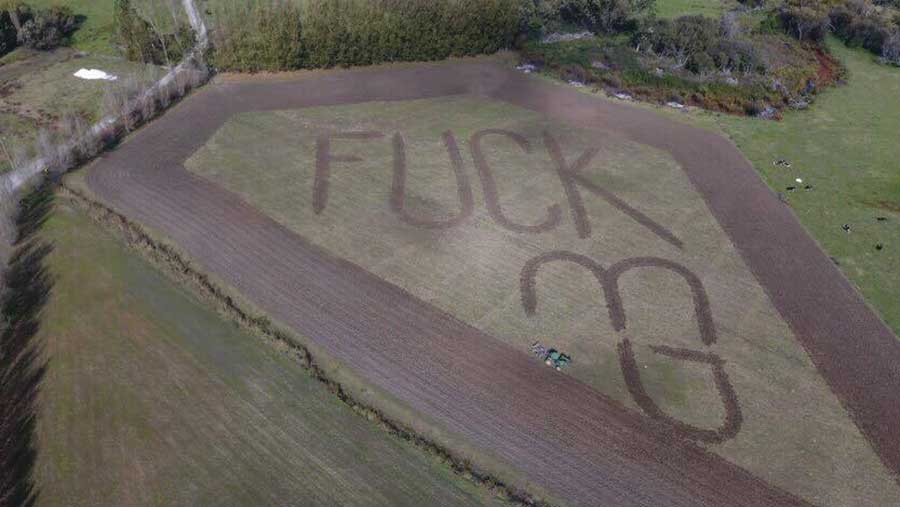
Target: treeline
[
  {"x": 152, "y": 31},
  {"x": 870, "y": 24},
  {"x": 274, "y": 35},
  {"x": 22, "y": 25},
  {"x": 860, "y": 23}
]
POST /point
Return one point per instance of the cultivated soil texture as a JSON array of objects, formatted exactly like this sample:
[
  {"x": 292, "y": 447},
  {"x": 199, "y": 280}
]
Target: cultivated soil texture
[
  {"x": 151, "y": 398},
  {"x": 423, "y": 225}
]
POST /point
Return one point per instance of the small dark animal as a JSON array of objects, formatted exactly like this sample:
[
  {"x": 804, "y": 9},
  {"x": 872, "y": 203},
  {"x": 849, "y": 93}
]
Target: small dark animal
[{"x": 846, "y": 227}]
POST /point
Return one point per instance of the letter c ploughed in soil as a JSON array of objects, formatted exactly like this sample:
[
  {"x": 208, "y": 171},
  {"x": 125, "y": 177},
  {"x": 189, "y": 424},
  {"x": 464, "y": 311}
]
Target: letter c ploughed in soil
[
  {"x": 609, "y": 281},
  {"x": 491, "y": 195}
]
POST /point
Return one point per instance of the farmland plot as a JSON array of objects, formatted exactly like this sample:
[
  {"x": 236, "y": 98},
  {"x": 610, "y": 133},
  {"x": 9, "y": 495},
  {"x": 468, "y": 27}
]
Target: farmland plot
[
  {"x": 151, "y": 398},
  {"x": 507, "y": 221}
]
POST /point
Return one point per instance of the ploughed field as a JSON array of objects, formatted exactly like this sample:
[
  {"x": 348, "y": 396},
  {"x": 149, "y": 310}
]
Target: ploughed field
[
  {"x": 504, "y": 219},
  {"x": 149, "y": 397},
  {"x": 422, "y": 245}
]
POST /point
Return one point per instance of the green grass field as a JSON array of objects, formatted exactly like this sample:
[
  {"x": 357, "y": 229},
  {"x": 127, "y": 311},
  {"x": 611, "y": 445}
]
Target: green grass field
[
  {"x": 473, "y": 270},
  {"x": 153, "y": 399},
  {"x": 847, "y": 147},
  {"x": 675, "y": 8}
]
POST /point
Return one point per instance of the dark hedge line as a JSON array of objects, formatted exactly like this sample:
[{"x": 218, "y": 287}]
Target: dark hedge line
[{"x": 272, "y": 36}]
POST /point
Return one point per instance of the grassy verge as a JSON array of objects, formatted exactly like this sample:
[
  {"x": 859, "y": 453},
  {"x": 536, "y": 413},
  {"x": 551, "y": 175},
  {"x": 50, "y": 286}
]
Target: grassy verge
[
  {"x": 675, "y": 8},
  {"x": 151, "y": 398}
]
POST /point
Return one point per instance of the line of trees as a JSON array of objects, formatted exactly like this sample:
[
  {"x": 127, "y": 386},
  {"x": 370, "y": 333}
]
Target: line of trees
[
  {"x": 858, "y": 23},
  {"x": 152, "y": 31},
  {"x": 275, "y": 35}
]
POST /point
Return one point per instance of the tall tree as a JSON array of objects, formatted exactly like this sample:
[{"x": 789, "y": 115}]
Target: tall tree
[
  {"x": 12, "y": 8},
  {"x": 806, "y": 19}
]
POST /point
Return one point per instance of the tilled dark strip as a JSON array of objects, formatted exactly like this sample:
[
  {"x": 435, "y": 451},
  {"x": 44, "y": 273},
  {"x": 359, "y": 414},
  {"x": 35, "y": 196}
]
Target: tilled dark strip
[{"x": 560, "y": 433}]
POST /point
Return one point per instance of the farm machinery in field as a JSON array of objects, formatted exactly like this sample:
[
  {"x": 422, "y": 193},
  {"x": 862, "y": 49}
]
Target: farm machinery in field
[{"x": 551, "y": 357}]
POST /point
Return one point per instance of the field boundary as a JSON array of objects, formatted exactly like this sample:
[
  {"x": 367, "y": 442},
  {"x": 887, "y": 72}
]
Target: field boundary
[{"x": 175, "y": 265}]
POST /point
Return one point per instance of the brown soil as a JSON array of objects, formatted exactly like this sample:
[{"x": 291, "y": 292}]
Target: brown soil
[
  {"x": 554, "y": 430},
  {"x": 829, "y": 69}
]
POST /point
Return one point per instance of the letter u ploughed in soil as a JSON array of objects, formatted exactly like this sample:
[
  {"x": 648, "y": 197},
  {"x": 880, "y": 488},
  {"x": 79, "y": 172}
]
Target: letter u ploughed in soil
[
  {"x": 463, "y": 187},
  {"x": 609, "y": 281}
]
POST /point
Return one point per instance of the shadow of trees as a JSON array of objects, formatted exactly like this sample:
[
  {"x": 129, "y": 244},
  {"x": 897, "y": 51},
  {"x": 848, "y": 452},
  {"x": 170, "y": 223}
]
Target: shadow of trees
[{"x": 22, "y": 365}]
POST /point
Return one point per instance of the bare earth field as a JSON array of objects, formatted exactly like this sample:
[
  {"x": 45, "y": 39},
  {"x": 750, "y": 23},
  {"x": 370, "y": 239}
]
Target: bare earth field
[
  {"x": 153, "y": 399},
  {"x": 425, "y": 244}
]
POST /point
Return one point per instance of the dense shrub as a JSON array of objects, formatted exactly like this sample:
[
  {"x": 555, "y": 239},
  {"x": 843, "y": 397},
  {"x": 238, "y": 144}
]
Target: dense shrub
[
  {"x": 257, "y": 36},
  {"x": 48, "y": 28},
  {"x": 698, "y": 44},
  {"x": 326, "y": 33},
  {"x": 140, "y": 42},
  {"x": 890, "y": 53},
  {"x": 8, "y": 33},
  {"x": 805, "y": 19},
  {"x": 598, "y": 16},
  {"x": 857, "y": 24}
]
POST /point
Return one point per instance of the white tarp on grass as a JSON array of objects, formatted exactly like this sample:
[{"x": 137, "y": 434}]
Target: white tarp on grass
[{"x": 94, "y": 74}]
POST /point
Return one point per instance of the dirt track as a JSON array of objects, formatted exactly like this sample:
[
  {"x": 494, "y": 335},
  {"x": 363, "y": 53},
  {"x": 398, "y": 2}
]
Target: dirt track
[{"x": 559, "y": 433}]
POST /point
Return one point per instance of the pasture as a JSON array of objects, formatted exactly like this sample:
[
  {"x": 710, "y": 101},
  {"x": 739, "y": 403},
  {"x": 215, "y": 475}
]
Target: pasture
[
  {"x": 151, "y": 398},
  {"x": 846, "y": 148},
  {"x": 675, "y": 8}
]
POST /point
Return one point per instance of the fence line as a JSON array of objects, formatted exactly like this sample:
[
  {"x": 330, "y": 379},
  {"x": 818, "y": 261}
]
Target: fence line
[{"x": 29, "y": 172}]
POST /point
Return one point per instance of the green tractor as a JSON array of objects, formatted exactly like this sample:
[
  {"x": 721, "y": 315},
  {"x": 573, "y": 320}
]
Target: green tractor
[
  {"x": 557, "y": 359},
  {"x": 551, "y": 357}
]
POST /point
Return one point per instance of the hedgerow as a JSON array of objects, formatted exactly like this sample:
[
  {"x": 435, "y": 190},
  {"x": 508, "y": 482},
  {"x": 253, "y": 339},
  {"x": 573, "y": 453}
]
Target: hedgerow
[
  {"x": 273, "y": 36},
  {"x": 142, "y": 41},
  {"x": 858, "y": 24},
  {"x": 8, "y": 33}
]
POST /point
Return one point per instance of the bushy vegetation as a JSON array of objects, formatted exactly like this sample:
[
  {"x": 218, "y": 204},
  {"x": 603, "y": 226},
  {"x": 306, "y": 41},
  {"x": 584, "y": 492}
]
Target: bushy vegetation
[
  {"x": 699, "y": 44},
  {"x": 42, "y": 29},
  {"x": 270, "y": 35},
  {"x": 48, "y": 28},
  {"x": 742, "y": 62},
  {"x": 806, "y": 19},
  {"x": 145, "y": 39},
  {"x": 8, "y": 33},
  {"x": 860, "y": 24},
  {"x": 599, "y": 16}
]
